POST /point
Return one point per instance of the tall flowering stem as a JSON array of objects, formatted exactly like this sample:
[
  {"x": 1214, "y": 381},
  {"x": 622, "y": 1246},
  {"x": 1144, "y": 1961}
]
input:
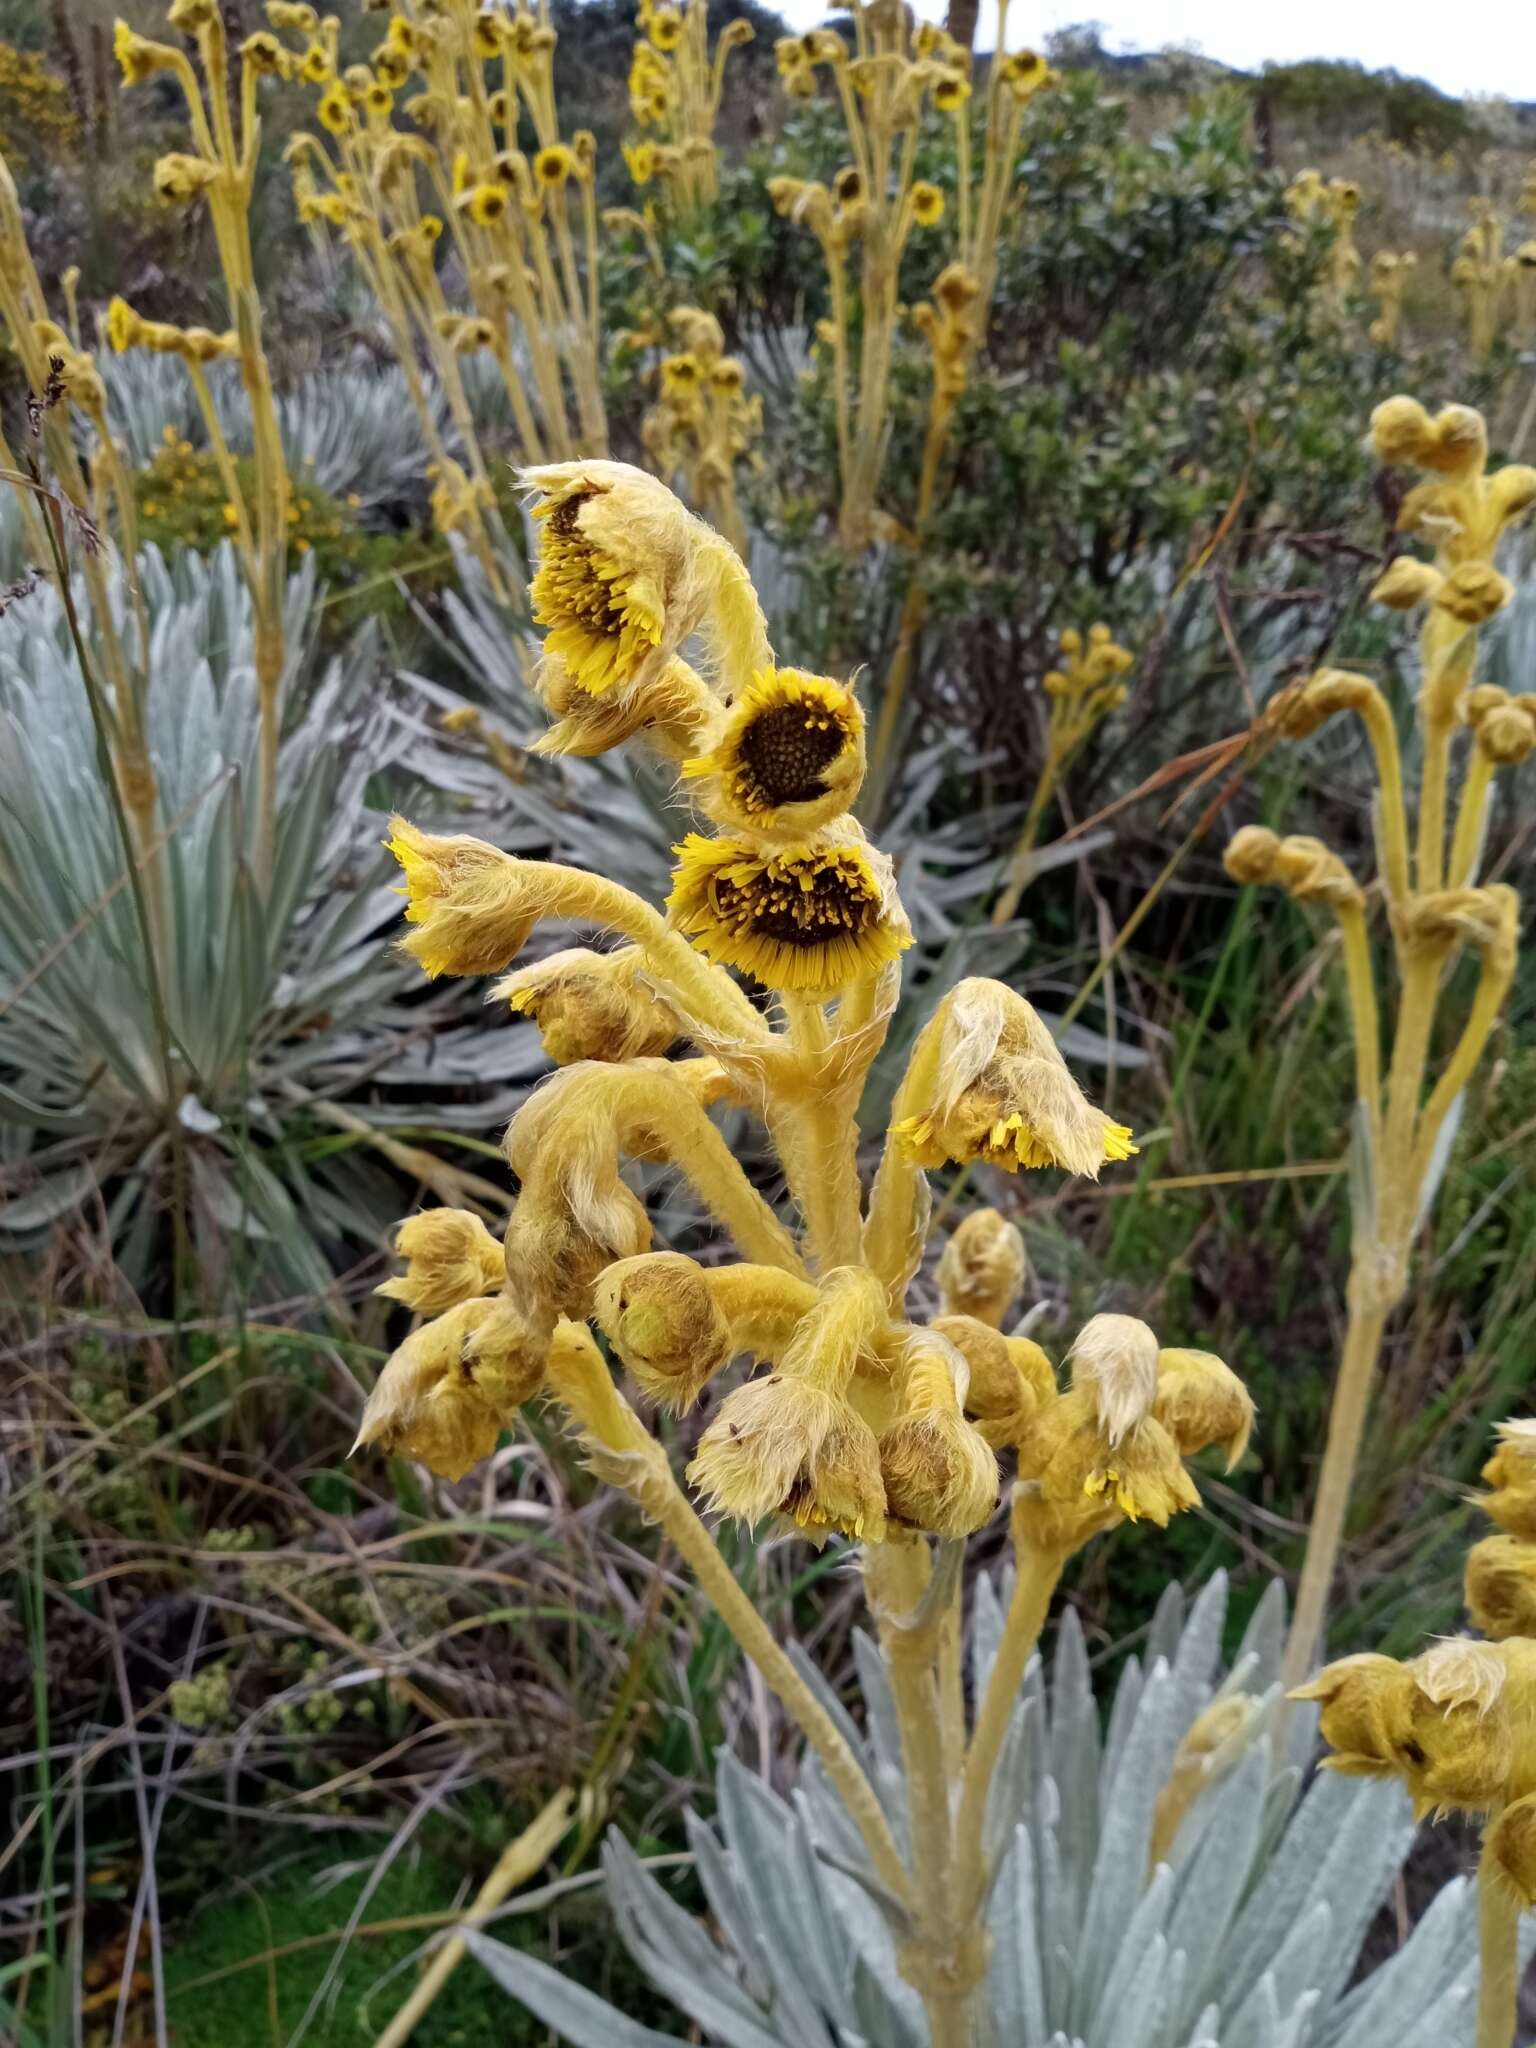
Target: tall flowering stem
[
  {"x": 1436, "y": 910},
  {"x": 676, "y": 83},
  {"x": 768, "y": 987},
  {"x": 220, "y": 173}
]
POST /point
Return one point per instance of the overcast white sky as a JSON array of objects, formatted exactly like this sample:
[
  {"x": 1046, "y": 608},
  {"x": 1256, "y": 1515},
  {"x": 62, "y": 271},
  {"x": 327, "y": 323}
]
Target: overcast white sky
[{"x": 1475, "y": 46}]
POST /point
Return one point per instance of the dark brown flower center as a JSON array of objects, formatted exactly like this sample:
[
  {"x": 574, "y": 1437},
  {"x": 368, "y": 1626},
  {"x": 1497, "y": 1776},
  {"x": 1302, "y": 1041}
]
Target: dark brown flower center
[
  {"x": 799, "y": 908},
  {"x": 786, "y": 752}
]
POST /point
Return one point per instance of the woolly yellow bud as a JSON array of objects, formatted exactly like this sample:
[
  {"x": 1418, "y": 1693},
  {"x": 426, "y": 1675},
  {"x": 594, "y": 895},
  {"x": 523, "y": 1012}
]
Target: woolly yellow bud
[
  {"x": 1457, "y": 443},
  {"x": 809, "y": 917},
  {"x": 1509, "y": 1842},
  {"x": 1213, "y": 1742},
  {"x": 658, "y": 1313},
  {"x": 471, "y": 905},
  {"x": 447, "y": 1393},
  {"x": 139, "y": 58},
  {"x": 626, "y": 574},
  {"x": 1299, "y": 712},
  {"x": 1400, "y": 430},
  {"x": 591, "y": 1006},
  {"x": 983, "y": 1267},
  {"x": 783, "y": 1445},
  {"x": 1201, "y": 1401},
  {"x": 1406, "y": 583},
  {"x": 450, "y": 1258},
  {"x": 1501, "y": 1586},
  {"x": 1313, "y": 873},
  {"x": 1251, "y": 855},
  {"x": 1010, "y": 1378},
  {"x": 986, "y": 1081},
  {"x": 668, "y": 713},
  {"x": 786, "y": 758},
  {"x": 1511, "y": 1473},
  {"x": 1115, "y": 1359},
  {"x": 1512, "y": 491},
  {"x": 1367, "y": 1707},
  {"x": 1506, "y": 732},
  {"x": 1474, "y": 592},
  {"x": 939, "y": 1473}
]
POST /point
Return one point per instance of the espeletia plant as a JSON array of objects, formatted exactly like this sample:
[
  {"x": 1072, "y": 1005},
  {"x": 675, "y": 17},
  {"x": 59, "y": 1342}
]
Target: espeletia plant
[{"x": 976, "y": 1863}]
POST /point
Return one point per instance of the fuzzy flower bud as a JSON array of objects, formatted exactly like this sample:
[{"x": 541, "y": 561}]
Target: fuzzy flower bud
[
  {"x": 1510, "y": 1844},
  {"x": 667, "y": 713},
  {"x": 1474, "y": 592},
  {"x": 939, "y": 1473},
  {"x": 1406, "y": 583},
  {"x": 450, "y": 1258},
  {"x": 561, "y": 1237},
  {"x": 1250, "y": 857},
  {"x": 1300, "y": 712},
  {"x": 1511, "y": 1473},
  {"x": 453, "y": 1385},
  {"x": 591, "y": 1006},
  {"x": 1201, "y": 1401},
  {"x": 983, "y": 1267},
  {"x": 1501, "y": 1586},
  {"x": 783, "y": 1445},
  {"x": 987, "y": 1081},
  {"x": 1400, "y": 430},
  {"x": 179, "y": 178},
  {"x": 1011, "y": 1378},
  {"x": 658, "y": 1313},
  {"x": 1074, "y": 1484}
]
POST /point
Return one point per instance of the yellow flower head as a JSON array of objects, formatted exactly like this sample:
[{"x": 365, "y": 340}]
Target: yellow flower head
[
  {"x": 809, "y": 918},
  {"x": 927, "y": 204},
  {"x": 951, "y": 92},
  {"x": 469, "y": 903},
  {"x": 1201, "y": 1401},
  {"x": 625, "y": 573},
  {"x": 138, "y": 57},
  {"x": 378, "y": 99},
  {"x": 179, "y": 178},
  {"x": 554, "y": 166},
  {"x": 665, "y": 28},
  {"x": 487, "y": 33},
  {"x": 983, "y": 1267},
  {"x": 659, "y": 1315},
  {"x": 334, "y": 111},
  {"x": 987, "y": 1082},
  {"x": 315, "y": 64},
  {"x": 728, "y": 377},
  {"x": 1501, "y": 1586},
  {"x": 939, "y": 1472},
  {"x": 1510, "y": 1845},
  {"x": 391, "y": 66},
  {"x": 1025, "y": 73},
  {"x": 591, "y": 1006},
  {"x": 681, "y": 376},
  {"x": 450, "y": 1258},
  {"x": 785, "y": 1446},
  {"x": 1473, "y": 592},
  {"x": 640, "y": 157},
  {"x": 454, "y": 1384},
  {"x": 484, "y": 203},
  {"x": 1405, "y": 584},
  {"x": 788, "y": 756}
]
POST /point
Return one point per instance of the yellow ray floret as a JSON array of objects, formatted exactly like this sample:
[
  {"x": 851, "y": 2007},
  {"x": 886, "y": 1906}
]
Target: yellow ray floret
[{"x": 808, "y": 918}]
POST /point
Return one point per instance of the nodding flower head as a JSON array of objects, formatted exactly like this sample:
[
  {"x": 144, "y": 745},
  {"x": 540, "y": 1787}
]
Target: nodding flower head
[
  {"x": 454, "y": 1384},
  {"x": 138, "y": 57},
  {"x": 591, "y": 1006},
  {"x": 787, "y": 758},
  {"x": 988, "y": 1083},
  {"x": 626, "y": 574},
  {"x": 940, "y": 1473},
  {"x": 450, "y": 1258},
  {"x": 1201, "y": 1401},
  {"x": 668, "y": 713},
  {"x": 566, "y": 1230},
  {"x": 808, "y": 917},
  {"x": 983, "y": 1267},
  {"x": 179, "y": 178},
  {"x": 784, "y": 1445},
  {"x": 1455, "y": 1724},
  {"x": 470, "y": 904},
  {"x": 658, "y": 1313}
]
